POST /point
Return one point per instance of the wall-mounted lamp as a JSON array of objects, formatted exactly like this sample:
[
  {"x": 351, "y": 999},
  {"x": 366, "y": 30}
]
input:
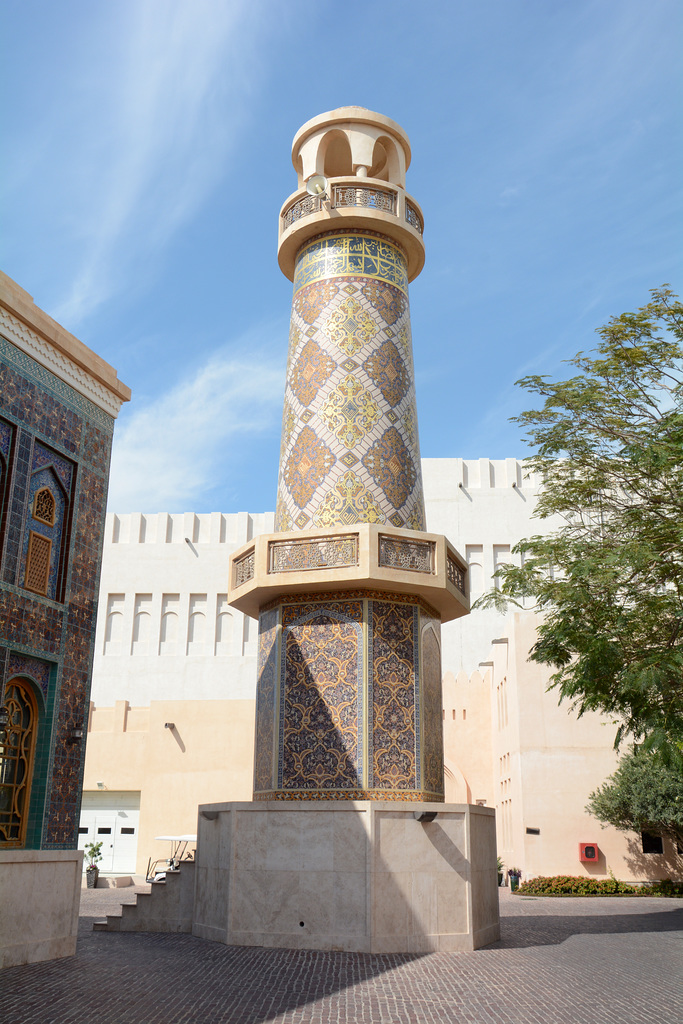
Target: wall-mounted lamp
[
  {"x": 209, "y": 815},
  {"x": 100, "y": 785},
  {"x": 169, "y": 725},
  {"x": 424, "y": 816},
  {"x": 74, "y": 735}
]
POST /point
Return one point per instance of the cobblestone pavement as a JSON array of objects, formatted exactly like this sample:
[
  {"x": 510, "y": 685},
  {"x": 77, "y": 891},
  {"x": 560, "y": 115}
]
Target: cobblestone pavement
[{"x": 560, "y": 961}]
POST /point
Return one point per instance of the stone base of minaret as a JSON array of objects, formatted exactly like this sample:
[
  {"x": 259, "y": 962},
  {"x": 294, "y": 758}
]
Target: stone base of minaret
[{"x": 366, "y": 877}]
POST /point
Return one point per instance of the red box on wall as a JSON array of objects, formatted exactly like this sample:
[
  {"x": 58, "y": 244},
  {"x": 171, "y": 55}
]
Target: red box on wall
[{"x": 589, "y": 852}]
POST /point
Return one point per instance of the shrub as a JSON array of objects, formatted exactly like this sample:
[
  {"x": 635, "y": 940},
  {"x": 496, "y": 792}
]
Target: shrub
[{"x": 577, "y": 885}]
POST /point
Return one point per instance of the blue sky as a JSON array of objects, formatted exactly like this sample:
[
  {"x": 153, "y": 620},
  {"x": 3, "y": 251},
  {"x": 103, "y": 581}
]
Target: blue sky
[{"x": 150, "y": 153}]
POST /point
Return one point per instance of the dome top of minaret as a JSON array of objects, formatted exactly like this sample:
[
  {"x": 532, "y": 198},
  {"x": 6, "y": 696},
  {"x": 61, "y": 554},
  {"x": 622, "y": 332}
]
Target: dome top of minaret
[
  {"x": 341, "y": 141},
  {"x": 351, "y": 175}
]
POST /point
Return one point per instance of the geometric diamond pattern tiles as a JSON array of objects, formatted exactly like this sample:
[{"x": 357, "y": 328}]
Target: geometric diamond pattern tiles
[{"x": 350, "y": 450}]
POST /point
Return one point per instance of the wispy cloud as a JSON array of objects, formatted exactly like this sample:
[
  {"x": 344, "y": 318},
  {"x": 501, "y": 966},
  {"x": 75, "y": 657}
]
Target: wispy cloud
[
  {"x": 167, "y": 114},
  {"x": 169, "y": 452}
]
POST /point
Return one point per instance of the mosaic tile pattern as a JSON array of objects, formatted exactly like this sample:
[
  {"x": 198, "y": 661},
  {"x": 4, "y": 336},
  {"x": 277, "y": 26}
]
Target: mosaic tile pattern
[
  {"x": 312, "y": 369},
  {"x": 309, "y": 461},
  {"x": 432, "y": 743},
  {"x": 320, "y": 738},
  {"x": 34, "y": 668},
  {"x": 6, "y": 433},
  {"x": 395, "y": 678},
  {"x": 341, "y": 254},
  {"x": 390, "y": 465},
  {"x": 343, "y": 699},
  {"x": 265, "y": 700},
  {"x": 350, "y": 412},
  {"x": 342, "y": 505},
  {"x": 64, "y": 440},
  {"x": 388, "y": 372},
  {"x": 350, "y": 449}
]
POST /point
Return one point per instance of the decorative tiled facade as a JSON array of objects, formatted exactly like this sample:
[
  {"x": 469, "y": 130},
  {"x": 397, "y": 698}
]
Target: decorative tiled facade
[
  {"x": 350, "y": 450},
  {"x": 342, "y": 697},
  {"x": 54, "y": 439}
]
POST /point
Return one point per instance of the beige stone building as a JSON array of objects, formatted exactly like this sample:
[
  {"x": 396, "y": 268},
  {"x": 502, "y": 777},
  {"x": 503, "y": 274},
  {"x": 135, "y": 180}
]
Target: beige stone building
[{"x": 172, "y": 714}]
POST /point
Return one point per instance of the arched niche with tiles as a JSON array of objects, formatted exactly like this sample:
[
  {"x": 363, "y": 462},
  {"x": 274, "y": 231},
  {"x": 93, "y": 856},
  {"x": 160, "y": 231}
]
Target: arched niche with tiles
[
  {"x": 18, "y": 741},
  {"x": 45, "y": 534}
]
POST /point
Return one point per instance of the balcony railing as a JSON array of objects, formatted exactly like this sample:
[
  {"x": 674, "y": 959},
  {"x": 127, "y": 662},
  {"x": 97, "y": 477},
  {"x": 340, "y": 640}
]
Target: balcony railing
[
  {"x": 352, "y": 192},
  {"x": 371, "y": 197},
  {"x": 413, "y": 217}
]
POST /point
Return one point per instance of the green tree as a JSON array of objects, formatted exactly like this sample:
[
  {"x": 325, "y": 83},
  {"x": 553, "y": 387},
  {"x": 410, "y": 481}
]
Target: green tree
[
  {"x": 609, "y": 581},
  {"x": 645, "y": 794}
]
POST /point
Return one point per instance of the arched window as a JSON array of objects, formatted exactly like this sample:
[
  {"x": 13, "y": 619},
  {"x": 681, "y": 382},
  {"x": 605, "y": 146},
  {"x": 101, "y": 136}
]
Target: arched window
[
  {"x": 168, "y": 634},
  {"x": 224, "y": 626},
  {"x": 44, "y": 506},
  {"x": 17, "y": 746},
  {"x": 337, "y": 159},
  {"x": 46, "y": 534},
  {"x": 385, "y": 165}
]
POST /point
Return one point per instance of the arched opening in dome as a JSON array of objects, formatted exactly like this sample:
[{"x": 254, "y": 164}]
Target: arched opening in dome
[{"x": 336, "y": 153}]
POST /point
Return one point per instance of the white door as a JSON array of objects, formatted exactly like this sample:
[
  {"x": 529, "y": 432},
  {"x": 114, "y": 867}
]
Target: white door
[{"x": 104, "y": 820}]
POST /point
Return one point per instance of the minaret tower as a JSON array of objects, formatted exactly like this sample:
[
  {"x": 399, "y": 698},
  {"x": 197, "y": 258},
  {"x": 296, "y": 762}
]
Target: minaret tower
[{"x": 350, "y": 591}]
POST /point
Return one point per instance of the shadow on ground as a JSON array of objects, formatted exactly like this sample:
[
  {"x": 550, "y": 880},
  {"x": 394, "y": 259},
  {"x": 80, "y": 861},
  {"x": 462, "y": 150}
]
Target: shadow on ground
[
  {"x": 137, "y": 978},
  {"x": 518, "y": 932}
]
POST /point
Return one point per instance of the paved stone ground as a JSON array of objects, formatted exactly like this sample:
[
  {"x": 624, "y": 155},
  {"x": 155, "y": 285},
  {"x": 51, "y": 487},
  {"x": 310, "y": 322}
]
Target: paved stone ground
[{"x": 560, "y": 961}]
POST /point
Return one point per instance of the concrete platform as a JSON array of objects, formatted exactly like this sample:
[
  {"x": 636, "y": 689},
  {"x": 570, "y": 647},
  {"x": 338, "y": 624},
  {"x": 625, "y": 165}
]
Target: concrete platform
[
  {"x": 347, "y": 876},
  {"x": 39, "y": 898}
]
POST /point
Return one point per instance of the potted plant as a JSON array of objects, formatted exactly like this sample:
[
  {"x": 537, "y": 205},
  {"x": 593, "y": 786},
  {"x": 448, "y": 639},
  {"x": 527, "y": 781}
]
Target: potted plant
[
  {"x": 501, "y": 867},
  {"x": 92, "y": 856},
  {"x": 514, "y": 874}
]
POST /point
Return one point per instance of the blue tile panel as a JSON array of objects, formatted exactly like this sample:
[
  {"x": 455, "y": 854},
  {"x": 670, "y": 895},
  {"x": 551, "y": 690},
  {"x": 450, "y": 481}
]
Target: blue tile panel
[
  {"x": 61, "y": 440},
  {"x": 348, "y": 699}
]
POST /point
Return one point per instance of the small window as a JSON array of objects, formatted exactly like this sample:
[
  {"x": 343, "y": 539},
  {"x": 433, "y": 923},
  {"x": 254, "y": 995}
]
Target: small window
[
  {"x": 651, "y": 844},
  {"x": 533, "y": 831},
  {"x": 44, "y": 506},
  {"x": 104, "y": 831},
  {"x": 38, "y": 563},
  {"x": 82, "y": 830},
  {"x": 127, "y": 831}
]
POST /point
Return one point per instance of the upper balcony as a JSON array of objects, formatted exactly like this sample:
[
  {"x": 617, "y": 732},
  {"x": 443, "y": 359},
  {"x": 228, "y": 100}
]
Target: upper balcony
[{"x": 352, "y": 203}]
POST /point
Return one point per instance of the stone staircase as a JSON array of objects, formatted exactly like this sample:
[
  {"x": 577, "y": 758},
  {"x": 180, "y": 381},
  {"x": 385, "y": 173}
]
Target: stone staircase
[{"x": 167, "y": 907}]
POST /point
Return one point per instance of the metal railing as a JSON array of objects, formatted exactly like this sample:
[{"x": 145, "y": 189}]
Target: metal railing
[
  {"x": 301, "y": 208},
  {"x": 414, "y": 555},
  {"x": 369, "y": 197},
  {"x": 243, "y": 568},
  {"x": 413, "y": 217},
  {"x": 456, "y": 575},
  {"x": 316, "y": 553}
]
